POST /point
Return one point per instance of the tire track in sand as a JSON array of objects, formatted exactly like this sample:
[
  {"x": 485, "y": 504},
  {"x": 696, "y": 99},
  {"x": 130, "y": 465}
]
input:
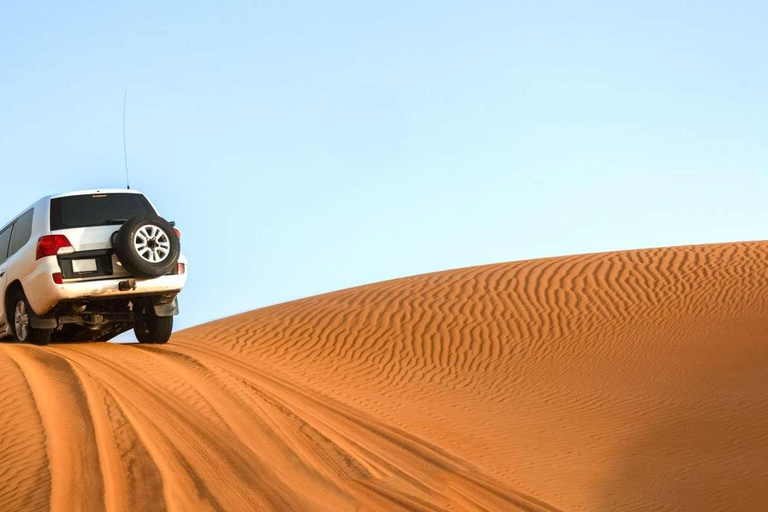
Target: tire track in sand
[
  {"x": 76, "y": 479},
  {"x": 621, "y": 381}
]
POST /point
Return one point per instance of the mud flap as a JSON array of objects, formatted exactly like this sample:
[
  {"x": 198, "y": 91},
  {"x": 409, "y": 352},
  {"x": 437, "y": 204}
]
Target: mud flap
[
  {"x": 167, "y": 309},
  {"x": 43, "y": 322}
]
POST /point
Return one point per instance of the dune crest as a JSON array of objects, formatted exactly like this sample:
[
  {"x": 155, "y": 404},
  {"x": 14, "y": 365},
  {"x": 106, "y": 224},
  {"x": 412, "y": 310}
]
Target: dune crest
[{"x": 616, "y": 381}]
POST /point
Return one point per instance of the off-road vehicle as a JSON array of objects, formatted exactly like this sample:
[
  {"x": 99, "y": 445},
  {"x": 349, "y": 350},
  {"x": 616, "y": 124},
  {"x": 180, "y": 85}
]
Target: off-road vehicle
[{"x": 87, "y": 266}]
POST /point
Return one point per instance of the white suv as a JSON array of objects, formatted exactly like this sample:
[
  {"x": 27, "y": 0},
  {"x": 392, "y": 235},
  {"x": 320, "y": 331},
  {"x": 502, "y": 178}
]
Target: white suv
[{"x": 88, "y": 266}]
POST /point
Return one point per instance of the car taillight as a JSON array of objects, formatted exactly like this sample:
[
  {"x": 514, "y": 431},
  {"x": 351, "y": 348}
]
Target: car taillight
[
  {"x": 57, "y": 278},
  {"x": 178, "y": 233},
  {"x": 180, "y": 268},
  {"x": 49, "y": 245}
]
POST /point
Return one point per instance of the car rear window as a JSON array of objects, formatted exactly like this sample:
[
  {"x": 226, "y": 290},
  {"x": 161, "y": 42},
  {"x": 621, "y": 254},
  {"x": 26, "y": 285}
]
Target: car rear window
[{"x": 97, "y": 210}]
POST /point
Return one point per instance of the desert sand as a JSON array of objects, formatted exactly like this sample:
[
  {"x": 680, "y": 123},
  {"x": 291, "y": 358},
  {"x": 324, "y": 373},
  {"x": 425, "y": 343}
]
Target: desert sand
[{"x": 632, "y": 380}]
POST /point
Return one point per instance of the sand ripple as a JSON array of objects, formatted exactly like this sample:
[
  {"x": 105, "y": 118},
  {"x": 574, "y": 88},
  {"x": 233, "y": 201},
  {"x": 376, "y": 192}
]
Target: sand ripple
[{"x": 619, "y": 381}]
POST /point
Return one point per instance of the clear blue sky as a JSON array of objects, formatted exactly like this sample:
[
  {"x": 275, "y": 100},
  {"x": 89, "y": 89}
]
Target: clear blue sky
[{"x": 304, "y": 147}]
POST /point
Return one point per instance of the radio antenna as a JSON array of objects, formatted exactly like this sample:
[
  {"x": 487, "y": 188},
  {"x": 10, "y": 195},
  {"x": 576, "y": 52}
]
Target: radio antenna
[{"x": 125, "y": 151}]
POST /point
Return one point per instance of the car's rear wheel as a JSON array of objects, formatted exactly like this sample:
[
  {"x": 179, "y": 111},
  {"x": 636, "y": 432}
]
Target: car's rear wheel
[
  {"x": 22, "y": 327},
  {"x": 150, "y": 328}
]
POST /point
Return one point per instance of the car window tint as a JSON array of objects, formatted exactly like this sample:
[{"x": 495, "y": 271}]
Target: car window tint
[
  {"x": 21, "y": 232},
  {"x": 5, "y": 239},
  {"x": 97, "y": 210}
]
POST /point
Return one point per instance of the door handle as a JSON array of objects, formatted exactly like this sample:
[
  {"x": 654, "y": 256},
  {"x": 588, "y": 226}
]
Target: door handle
[{"x": 2, "y": 273}]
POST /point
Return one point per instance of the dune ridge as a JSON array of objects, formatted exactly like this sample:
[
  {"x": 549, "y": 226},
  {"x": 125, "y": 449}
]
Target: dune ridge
[{"x": 626, "y": 380}]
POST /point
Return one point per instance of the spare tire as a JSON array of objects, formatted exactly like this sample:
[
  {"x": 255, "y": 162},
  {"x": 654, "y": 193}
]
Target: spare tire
[{"x": 147, "y": 246}]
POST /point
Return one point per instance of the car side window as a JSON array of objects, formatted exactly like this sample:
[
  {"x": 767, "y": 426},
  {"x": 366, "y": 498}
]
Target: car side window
[
  {"x": 5, "y": 239},
  {"x": 21, "y": 232}
]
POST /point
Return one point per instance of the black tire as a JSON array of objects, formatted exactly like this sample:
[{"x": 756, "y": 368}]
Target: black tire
[
  {"x": 30, "y": 334},
  {"x": 140, "y": 263},
  {"x": 150, "y": 328}
]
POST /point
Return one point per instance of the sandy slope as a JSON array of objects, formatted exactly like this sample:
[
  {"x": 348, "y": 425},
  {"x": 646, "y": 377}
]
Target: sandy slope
[{"x": 619, "y": 381}]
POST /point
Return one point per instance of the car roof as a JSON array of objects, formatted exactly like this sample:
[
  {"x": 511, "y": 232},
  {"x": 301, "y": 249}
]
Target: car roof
[{"x": 95, "y": 191}]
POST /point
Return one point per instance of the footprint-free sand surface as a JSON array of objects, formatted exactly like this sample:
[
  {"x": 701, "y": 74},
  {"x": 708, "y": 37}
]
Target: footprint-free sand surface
[{"x": 630, "y": 380}]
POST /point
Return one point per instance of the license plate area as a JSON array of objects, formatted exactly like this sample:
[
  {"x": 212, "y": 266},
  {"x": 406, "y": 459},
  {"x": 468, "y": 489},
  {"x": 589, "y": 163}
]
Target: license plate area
[{"x": 86, "y": 264}]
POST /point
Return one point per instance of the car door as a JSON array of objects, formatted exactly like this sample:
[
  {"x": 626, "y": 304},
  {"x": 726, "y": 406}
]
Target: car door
[{"x": 5, "y": 240}]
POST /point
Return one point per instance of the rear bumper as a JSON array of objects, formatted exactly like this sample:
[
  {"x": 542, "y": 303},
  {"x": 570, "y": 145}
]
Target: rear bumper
[{"x": 43, "y": 294}]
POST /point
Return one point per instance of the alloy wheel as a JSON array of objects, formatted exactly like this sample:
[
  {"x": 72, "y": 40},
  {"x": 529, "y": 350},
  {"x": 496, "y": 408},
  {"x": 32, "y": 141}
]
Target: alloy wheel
[
  {"x": 21, "y": 320},
  {"x": 152, "y": 243}
]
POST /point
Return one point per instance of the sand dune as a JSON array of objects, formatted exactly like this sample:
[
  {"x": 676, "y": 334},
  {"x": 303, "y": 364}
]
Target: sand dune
[{"x": 621, "y": 381}]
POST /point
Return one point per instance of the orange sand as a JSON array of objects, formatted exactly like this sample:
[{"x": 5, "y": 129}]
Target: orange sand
[{"x": 621, "y": 381}]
